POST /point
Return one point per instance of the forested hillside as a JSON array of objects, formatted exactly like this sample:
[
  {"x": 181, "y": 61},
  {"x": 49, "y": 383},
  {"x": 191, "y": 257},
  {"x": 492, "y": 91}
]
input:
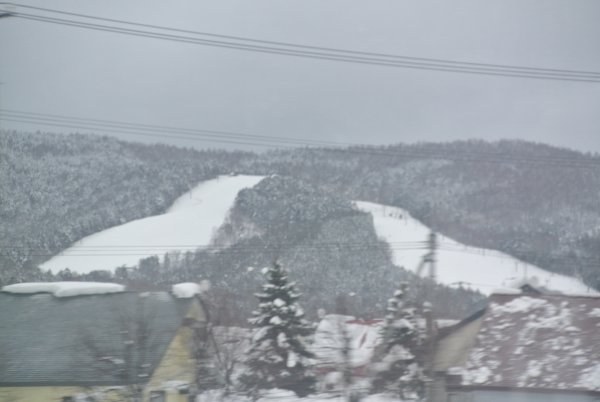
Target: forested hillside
[
  {"x": 536, "y": 202},
  {"x": 329, "y": 248},
  {"x": 56, "y": 189}
]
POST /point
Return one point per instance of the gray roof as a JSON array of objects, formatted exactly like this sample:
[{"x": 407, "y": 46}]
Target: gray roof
[{"x": 111, "y": 339}]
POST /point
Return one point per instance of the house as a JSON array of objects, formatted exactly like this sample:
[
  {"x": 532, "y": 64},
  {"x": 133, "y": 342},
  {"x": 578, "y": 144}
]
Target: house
[
  {"x": 75, "y": 341},
  {"x": 527, "y": 346}
]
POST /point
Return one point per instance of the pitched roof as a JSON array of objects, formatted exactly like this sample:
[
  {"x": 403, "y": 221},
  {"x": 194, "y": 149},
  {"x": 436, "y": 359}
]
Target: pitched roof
[
  {"x": 111, "y": 339},
  {"x": 536, "y": 341}
]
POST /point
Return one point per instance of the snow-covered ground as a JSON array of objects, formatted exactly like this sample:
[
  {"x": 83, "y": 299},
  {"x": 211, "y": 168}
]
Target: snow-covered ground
[
  {"x": 279, "y": 395},
  {"x": 188, "y": 223},
  {"x": 476, "y": 268}
]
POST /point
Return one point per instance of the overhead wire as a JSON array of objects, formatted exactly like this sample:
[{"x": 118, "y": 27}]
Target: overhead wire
[
  {"x": 303, "y": 46},
  {"x": 153, "y": 250},
  {"x": 76, "y": 251},
  {"x": 75, "y": 122},
  {"x": 336, "y": 55},
  {"x": 315, "y": 52},
  {"x": 229, "y": 137}
]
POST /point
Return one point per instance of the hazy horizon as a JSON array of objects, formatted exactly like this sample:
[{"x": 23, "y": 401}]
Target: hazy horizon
[{"x": 62, "y": 70}]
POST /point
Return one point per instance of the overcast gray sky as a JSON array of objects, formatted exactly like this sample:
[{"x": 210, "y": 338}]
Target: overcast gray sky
[{"x": 62, "y": 70}]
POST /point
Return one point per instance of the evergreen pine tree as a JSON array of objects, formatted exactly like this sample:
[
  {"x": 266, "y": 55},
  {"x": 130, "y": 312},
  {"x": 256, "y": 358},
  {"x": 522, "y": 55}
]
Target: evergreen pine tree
[
  {"x": 398, "y": 368},
  {"x": 278, "y": 357}
]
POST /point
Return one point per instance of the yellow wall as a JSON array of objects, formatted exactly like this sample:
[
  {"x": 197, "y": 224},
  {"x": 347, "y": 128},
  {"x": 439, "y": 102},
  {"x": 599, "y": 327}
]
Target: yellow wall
[
  {"x": 178, "y": 362},
  {"x": 176, "y": 365},
  {"x": 452, "y": 350},
  {"x": 52, "y": 394},
  {"x": 36, "y": 394}
]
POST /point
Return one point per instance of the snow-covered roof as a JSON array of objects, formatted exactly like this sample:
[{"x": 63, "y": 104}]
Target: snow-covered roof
[
  {"x": 188, "y": 290},
  {"x": 537, "y": 341},
  {"x": 65, "y": 289}
]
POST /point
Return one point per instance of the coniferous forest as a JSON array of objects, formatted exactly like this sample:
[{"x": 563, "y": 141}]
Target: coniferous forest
[{"x": 535, "y": 202}]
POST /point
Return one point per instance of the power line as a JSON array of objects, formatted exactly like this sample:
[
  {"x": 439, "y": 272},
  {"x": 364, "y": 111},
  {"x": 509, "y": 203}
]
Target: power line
[
  {"x": 230, "y": 251},
  {"x": 314, "y": 52},
  {"x": 302, "y": 46},
  {"x": 109, "y": 250},
  {"x": 192, "y": 133},
  {"x": 217, "y": 247},
  {"x": 229, "y": 137},
  {"x": 154, "y": 250}
]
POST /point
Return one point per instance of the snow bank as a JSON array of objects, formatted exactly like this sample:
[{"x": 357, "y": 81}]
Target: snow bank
[
  {"x": 65, "y": 289},
  {"x": 189, "y": 223},
  {"x": 476, "y": 268},
  {"x": 381, "y": 398},
  {"x": 279, "y": 395}
]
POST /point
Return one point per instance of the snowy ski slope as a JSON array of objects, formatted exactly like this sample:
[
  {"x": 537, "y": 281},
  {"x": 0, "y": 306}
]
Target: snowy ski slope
[
  {"x": 188, "y": 223},
  {"x": 481, "y": 269}
]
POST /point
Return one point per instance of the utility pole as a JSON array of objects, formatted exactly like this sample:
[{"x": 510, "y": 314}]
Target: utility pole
[
  {"x": 432, "y": 243},
  {"x": 431, "y": 260}
]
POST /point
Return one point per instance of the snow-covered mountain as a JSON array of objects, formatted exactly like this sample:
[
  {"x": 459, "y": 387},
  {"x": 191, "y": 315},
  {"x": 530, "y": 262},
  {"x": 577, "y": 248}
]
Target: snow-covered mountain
[
  {"x": 458, "y": 264},
  {"x": 189, "y": 223},
  {"x": 63, "y": 188},
  {"x": 193, "y": 219}
]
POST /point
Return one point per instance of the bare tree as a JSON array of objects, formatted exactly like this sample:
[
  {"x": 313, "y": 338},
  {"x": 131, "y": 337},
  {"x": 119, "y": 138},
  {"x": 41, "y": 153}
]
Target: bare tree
[
  {"x": 230, "y": 345},
  {"x": 335, "y": 349},
  {"x": 124, "y": 358}
]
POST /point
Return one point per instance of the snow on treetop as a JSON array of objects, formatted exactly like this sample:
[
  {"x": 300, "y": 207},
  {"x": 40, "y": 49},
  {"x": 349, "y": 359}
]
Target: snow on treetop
[
  {"x": 402, "y": 323},
  {"x": 275, "y": 320},
  {"x": 292, "y": 360},
  {"x": 278, "y": 302},
  {"x": 65, "y": 289}
]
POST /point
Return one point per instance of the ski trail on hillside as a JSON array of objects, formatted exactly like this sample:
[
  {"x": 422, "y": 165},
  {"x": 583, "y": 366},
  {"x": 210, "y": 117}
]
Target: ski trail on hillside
[
  {"x": 189, "y": 222},
  {"x": 476, "y": 268}
]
